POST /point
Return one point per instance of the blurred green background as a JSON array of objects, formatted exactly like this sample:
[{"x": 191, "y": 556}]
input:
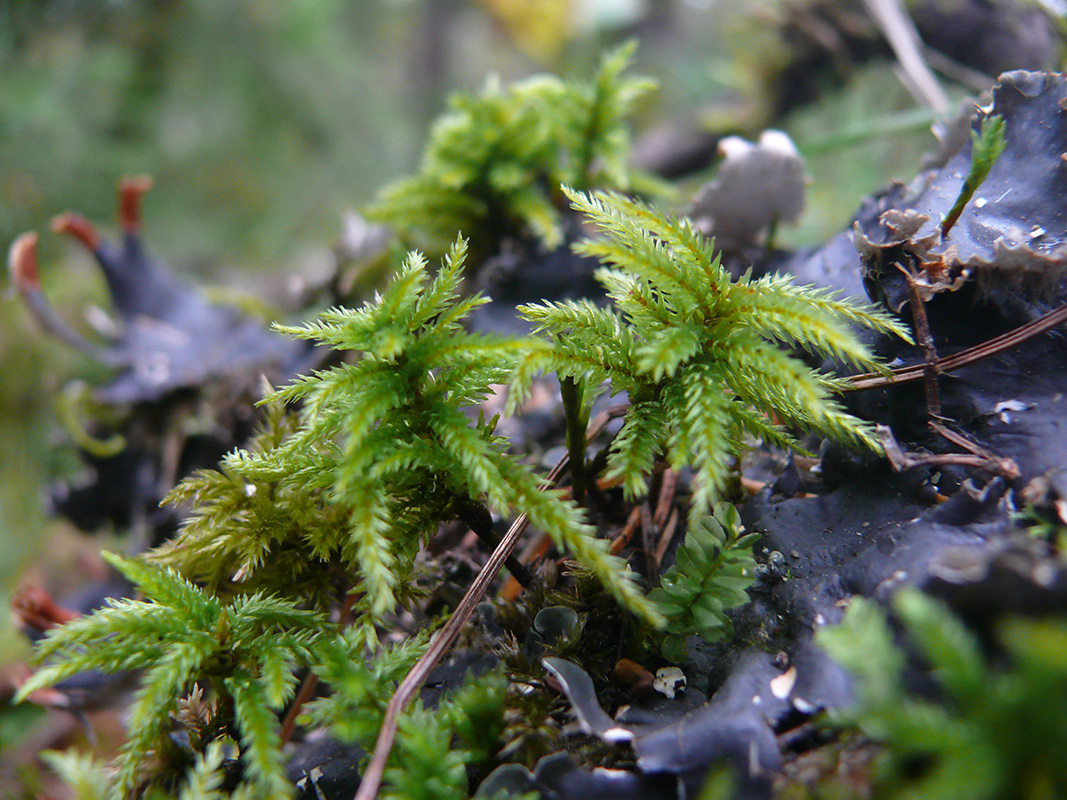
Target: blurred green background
[{"x": 262, "y": 122}]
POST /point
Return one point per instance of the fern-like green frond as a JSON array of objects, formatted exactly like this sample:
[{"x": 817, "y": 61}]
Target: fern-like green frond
[
  {"x": 706, "y": 417},
  {"x": 204, "y": 779},
  {"x": 87, "y": 778},
  {"x": 700, "y": 355},
  {"x": 954, "y": 655},
  {"x": 996, "y": 732},
  {"x": 149, "y": 717},
  {"x": 634, "y": 450},
  {"x": 813, "y": 319},
  {"x": 712, "y": 569},
  {"x": 426, "y": 764}
]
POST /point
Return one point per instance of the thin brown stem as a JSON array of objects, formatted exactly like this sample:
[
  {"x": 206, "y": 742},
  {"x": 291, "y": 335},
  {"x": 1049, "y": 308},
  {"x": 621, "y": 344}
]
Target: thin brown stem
[
  {"x": 665, "y": 539},
  {"x": 977, "y": 457},
  {"x": 926, "y": 342},
  {"x": 668, "y": 488},
  {"x": 627, "y": 532},
  {"x": 873, "y": 380}
]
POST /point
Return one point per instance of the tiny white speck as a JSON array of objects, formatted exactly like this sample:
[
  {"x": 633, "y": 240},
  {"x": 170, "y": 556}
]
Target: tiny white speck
[
  {"x": 669, "y": 681},
  {"x": 980, "y": 202},
  {"x": 617, "y": 735},
  {"x": 250, "y": 489},
  {"x": 1037, "y": 232},
  {"x": 1004, "y": 408},
  {"x": 783, "y": 684}
]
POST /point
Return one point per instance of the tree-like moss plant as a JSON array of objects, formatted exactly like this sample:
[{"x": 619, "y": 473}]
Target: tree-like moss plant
[
  {"x": 494, "y": 161},
  {"x": 356, "y": 465},
  {"x": 698, "y": 353},
  {"x": 383, "y": 450},
  {"x": 243, "y": 652}
]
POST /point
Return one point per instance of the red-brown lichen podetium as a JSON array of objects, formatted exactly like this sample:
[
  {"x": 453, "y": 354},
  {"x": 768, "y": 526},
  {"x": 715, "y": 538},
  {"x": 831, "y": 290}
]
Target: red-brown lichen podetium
[
  {"x": 131, "y": 193},
  {"x": 22, "y": 264},
  {"x": 77, "y": 227},
  {"x": 25, "y": 273},
  {"x": 130, "y": 199},
  {"x": 33, "y": 607}
]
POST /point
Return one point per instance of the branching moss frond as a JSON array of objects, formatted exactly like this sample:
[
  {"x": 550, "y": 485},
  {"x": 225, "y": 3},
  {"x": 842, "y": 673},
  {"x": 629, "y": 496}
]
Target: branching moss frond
[
  {"x": 601, "y": 152},
  {"x": 183, "y": 637},
  {"x": 700, "y": 348},
  {"x": 433, "y": 750},
  {"x": 812, "y": 318},
  {"x": 635, "y": 248},
  {"x": 711, "y": 430},
  {"x": 385, "y": 448},
  {"x": 636, "y": 447},
  {"x": 204, "y": 779},
  {"x": 149, "y": 717},
  {"x": 493, "y": 160},
  {"x": 261, "y": 752},
  {"x": 996, "y": 727},
  {"x": 87, "y": 778}
]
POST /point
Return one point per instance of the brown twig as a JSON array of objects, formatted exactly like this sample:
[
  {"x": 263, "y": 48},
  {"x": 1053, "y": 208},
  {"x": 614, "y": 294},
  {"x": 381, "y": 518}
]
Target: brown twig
[
  {"x": 444, "y": 638},
  {"x": 667, "y": 488},
  {"x": 926, "y": 342},
  {"x": 1005, "y": 467},
  {"x": 998, "y": 344},
  {"x": 977, "y": 457},
  {"x": 665, "y": 539},
  {"x": 627, "y": 532}
]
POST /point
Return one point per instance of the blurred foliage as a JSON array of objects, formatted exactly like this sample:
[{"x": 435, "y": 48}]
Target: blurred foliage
[
  {"x": 260, "y": 120},
  {"x": 991, "y": 731}
]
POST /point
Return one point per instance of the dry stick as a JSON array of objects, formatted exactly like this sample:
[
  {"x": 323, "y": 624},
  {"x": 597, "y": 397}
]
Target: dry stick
[
  {"x": 623, "y": 539},
  {"x": 872, "y": 380},
  {"x": 899, "y": 30},
  {"x": 665, "y": 539},
  {"x": 443, "y": 639},
  {"x": 978, "y": 457},
  {"x": 668, "y": 487},
  {"x": 1005, "y": 467},
  {"x": 648, "y": 530},
  {"x": 926, "y": 342}
]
